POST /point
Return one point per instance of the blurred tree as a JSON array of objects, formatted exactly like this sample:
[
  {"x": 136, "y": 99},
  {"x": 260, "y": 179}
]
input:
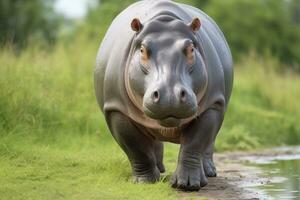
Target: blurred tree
[
  {"x": 295, "y": 11},
  {"x": 266, "y": 26},
  {"x": 261, "y": 25},
  {"x": 22, "y": 20},
  {"x": 99, "y": 18}
]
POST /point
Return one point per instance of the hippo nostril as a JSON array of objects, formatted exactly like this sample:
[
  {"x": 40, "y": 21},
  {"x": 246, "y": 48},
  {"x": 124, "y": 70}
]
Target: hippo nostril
[
  {"x": 155, "y": 96},
  {"x": 182, "y": 95}
]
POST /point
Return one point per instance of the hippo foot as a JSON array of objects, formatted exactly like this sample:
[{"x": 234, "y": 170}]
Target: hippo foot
[
  {"x": 209, "y": 167},
  {"x": 148, "y": 177},
  {"x": 188, "y": 178}
]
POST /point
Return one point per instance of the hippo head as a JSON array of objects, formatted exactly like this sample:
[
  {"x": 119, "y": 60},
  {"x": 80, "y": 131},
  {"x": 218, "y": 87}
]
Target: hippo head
[{"x": 166, "y": 73}]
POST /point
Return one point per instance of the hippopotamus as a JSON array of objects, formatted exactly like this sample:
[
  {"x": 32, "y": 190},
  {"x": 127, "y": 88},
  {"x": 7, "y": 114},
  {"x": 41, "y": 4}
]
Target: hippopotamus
[{"x": 164, "y": 74}]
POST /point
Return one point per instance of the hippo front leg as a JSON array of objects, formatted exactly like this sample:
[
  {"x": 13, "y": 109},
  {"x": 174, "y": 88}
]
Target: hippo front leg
[
  {"x": 195, "y": 139},
  {"x": 139, "y": 148}
]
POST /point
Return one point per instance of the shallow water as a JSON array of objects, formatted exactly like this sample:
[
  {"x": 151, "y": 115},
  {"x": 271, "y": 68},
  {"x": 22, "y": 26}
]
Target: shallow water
[
  {"x": 287, "y": 174},
  {"x": 283, "y": 171}
]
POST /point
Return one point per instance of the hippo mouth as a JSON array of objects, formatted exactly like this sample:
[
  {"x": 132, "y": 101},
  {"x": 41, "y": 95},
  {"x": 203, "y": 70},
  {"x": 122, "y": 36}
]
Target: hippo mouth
[{"x": 170, "y": 121}]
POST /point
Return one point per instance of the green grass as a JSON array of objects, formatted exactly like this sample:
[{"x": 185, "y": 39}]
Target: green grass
[
  {"x": 263, "y": 111},
  {"x": 54, "y": 143},
  {"x": 68, "y": 166}
]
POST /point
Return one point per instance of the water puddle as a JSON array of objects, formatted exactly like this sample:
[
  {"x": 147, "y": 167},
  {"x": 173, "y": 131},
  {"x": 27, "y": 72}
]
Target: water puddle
[{"x": 281, "y": 168}]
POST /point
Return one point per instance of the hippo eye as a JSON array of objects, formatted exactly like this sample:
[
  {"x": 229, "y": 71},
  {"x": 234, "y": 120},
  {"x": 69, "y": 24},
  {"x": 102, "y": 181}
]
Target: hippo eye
[
  {"x": 190, "y": 54},
  {"x": 144, "y": 57},
  {"x": 144, "y": 53}
]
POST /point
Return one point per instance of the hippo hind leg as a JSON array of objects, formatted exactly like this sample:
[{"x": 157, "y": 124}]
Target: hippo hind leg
[
  {"x": 159, "y": 152},
  {"x": 138, "y": 147},
  {"x": 208, "y": 163}
]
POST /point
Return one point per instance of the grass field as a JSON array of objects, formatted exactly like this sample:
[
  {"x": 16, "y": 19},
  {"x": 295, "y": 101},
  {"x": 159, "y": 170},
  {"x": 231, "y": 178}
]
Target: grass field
[{"x": 54, "y": 143}]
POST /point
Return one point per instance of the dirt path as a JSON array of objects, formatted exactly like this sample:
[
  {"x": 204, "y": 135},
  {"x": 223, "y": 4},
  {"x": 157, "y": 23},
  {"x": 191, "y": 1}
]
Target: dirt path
[{"x": 233, "y": 181}]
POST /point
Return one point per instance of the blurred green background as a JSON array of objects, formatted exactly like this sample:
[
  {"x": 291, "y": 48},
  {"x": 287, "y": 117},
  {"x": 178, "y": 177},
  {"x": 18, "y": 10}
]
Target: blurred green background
[{"x": 54, "y": 142}]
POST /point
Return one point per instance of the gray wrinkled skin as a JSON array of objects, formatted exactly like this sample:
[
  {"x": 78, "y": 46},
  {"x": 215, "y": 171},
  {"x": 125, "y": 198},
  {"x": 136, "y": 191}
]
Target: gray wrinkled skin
[{"x": 167, "y": 99}]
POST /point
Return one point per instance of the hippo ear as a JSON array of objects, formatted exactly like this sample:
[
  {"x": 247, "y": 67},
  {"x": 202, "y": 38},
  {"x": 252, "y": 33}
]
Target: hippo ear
[
  {"x": 136, "y": 25},
  {"x": 195, "y": 24}
]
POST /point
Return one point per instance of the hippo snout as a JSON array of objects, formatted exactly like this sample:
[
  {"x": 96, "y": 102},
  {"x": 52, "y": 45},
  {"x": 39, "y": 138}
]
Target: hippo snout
[
  {"x": 181, "y": 96},
  {"x": 169, "y": 105}
]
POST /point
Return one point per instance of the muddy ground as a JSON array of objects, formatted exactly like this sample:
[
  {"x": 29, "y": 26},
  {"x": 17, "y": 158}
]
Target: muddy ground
[{"x": 235, "y": 179}]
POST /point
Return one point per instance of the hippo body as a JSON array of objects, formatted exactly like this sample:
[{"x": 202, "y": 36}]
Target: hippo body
[{"x": 164, "y": 73}]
